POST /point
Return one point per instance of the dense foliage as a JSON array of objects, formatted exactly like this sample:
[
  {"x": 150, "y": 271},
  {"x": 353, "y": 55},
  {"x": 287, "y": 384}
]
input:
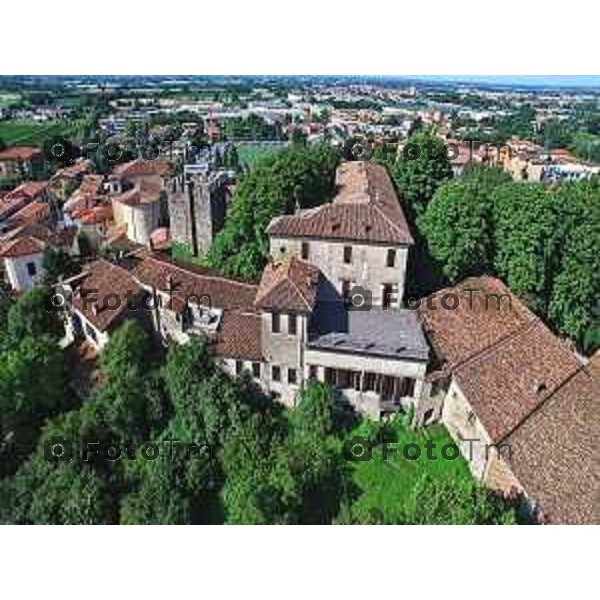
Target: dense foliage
[
  {"x": 542, "y": 241},
  {"x": 420, "y": 169},
  {"x": 171, "y": 439},
  {"x": 295, "y": 177}
]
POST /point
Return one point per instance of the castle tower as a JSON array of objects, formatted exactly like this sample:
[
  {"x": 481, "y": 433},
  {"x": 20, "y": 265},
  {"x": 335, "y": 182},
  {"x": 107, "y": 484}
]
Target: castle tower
[{"x": 197, "y": 208}]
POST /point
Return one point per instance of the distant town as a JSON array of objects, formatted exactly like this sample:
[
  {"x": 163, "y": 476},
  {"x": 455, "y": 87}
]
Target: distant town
[{"x": 346, "y": 300}]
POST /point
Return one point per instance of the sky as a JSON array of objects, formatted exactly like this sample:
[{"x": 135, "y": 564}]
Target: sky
[{"x": 535, "y": 80}]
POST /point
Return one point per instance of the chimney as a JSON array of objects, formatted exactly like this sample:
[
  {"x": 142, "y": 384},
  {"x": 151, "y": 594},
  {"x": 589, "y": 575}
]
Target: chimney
[
  {"x": 169, "y": 281},
  {"x": 95, "y": 308}
]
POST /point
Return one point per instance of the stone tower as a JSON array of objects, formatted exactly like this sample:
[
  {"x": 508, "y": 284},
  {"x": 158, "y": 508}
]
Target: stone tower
[{"x": 197, "y": 208}]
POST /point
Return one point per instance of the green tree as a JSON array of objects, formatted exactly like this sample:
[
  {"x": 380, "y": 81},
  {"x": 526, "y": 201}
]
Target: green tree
[
  {"x": 526, "y": 240},
  {"x": 457, "y": 222},
  {"x": 422, "y": 167},
  {"x": 575, "y": 298},
  {"x": 296, "y": 175},
  {"x": 29, "y": 316},
  {"x": 32, "y": 387}
]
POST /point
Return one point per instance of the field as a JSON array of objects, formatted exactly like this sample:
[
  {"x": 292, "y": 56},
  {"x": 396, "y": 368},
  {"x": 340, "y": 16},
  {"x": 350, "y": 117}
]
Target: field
[
  {"x": 8, "y": 98},
  {"x": 387, "y": 484},
  {"x": 33, "y": 133},
  {"x": 250, "y": 154}
]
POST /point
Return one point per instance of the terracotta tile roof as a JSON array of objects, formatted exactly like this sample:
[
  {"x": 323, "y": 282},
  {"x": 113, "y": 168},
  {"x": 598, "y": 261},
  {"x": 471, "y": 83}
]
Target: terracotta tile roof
[
  {"x": 89, "y": 193},
  {"x": 22, "y": 246},
  {"x": 288, "y": 284},
  {"x": 224, "y": 293},
  {"x": 504, "y": 359},
  {"x": 95, "y": 215},
  {"x": 19, "y": 153},
  {"x": 239, "y": 336},
  {"x": 555, "y": 452},
  {"x": 107, "y": 278},
  {"x": 138, "y": 167},
  {"x": 30, "y": 189},
  {"x": 366, "y": 208},
  {"x": 145, "y": 192},
  {"x": 36, "y": 211},
  {"x": 479, "y": 321},
  {"x": 594, "y": 364},
  {"x": 80, "y": 167},
  {"x": 505, "y": 383},
  {"x": 21, "y": 195}
]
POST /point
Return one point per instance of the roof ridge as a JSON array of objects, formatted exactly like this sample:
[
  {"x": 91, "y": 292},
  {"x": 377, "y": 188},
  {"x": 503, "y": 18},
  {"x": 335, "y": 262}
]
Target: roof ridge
[
  {"x": 545, "y": 400},
  {"x": 529, "y": 325},
  {"x": 204, "y": 275}
]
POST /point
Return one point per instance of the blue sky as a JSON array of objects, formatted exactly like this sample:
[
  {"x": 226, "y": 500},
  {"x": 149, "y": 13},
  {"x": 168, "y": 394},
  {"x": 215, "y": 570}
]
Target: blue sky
[{"x": 537, "y": 80}]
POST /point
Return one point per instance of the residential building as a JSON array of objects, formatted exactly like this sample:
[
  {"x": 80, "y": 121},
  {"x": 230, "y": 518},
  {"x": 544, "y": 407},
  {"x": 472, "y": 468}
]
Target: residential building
[
  {"x": 23, "y": 258},
  {"x": 20, "y": 162},
  {"x": 522, "y": 407},
  {"x": 102, "y": 296},
  {"x": 361, "y": 238}
]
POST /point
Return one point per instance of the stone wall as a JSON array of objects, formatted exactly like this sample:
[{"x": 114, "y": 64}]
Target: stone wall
[
  {"x": 368, "y": 267},
  {"x": 197, "y": 209}
]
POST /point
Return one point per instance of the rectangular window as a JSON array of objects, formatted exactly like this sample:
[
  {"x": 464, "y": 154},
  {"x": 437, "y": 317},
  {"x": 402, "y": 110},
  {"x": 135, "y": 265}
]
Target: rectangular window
[
  {"x": 407, "y": 387},
  {"x": 275, "y": 326},
  {"x": 369, "y": 382},
  {"x": 256, "y": 370},
  {"x": 391, "y": 258},
  {"x": 387, "y": 295},
  {"x": 31, "y": 270},
  {"x": 239, "y": 366},
  {"x": 348, "y": 254},
  {"x": 305, "y": 250},
  {"x": 276, "y": 373},
  {"x": 292, "y": 376},
  {"x": 313, "y": 372},
  {"x": 329, "y": 375},
  {"x": 292, "y": 325}
]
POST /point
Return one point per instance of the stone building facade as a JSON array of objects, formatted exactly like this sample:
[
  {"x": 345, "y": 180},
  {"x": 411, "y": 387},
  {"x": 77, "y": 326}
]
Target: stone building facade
[{"x": 197, "y": 207}]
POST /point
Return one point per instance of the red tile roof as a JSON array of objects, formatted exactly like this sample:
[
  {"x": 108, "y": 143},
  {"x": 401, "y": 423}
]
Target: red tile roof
[
  {"x": 504, "y": 359},
  {"x": 21, "y": 195},
  {"x": 19, "y": 153},
  {"x": 505, "y": 383},
  {"x": 22, "y": 246},
  {"x": 106, "y": 278},
  {"x": 478, "y": 322},
  {"x": 34, "y": 212},
  {"x": 555, "y": 452},
  {"x": 239, "y": 333},
  {"x": 366, "y": 209},
  {"x": 224, "y": 293},
  {"x": 239, "y": 336},
  {"x": 139, "y": 167},
  {"x": 288, "y": 284}
]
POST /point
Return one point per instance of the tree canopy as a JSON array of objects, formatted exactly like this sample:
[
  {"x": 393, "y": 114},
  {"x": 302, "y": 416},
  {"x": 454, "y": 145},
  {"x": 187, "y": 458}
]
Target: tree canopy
[{"x": 295, "y": 177}]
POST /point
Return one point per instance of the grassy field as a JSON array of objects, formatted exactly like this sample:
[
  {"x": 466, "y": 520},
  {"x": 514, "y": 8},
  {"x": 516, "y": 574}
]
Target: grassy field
[
  {"x": 250, "y": 155},
  {"x": 387, "y": 484},
  {"x": 33, "y": 133},
  {"x": 8, "y": 98}
]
